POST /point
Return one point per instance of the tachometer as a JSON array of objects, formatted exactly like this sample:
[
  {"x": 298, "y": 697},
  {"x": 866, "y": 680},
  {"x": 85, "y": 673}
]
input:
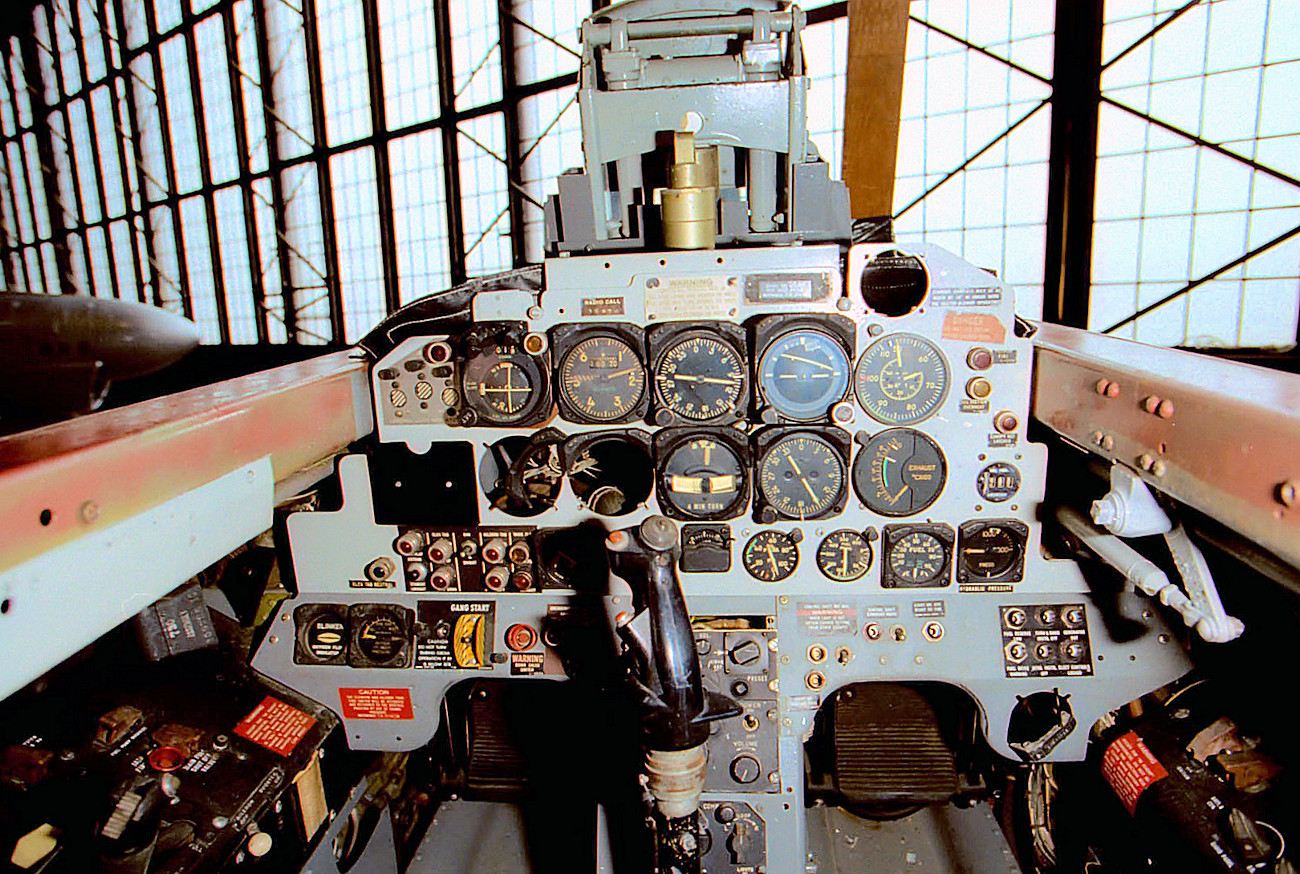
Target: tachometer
[
  {"x": 601, "y": 379},
  {"x": 701, "y": 476},
  {"x": 801, "y": 476},
  {"x": 901, "y": 379},
  {"x": 899, "y": 472},
  {"x": 700, "y": 377},
  {"x": 770, "y": 556},
  {"x": 844, "y": 556},
  {"x": 803, "y": 373}
]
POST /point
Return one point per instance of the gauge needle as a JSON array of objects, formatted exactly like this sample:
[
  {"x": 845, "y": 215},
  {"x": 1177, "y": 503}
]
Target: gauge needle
[
  {"x": 894, "y": 498},
  {"x": 807, "y": 361},
  {"x": 771, "y": 559},
  {"x": 804, "y": 375},
  {"x": 898, "y": 354},
  {"x": 844, "y": 561},
  {"x": 716, "y": 380},
  {"x": 624, "y": 372}
]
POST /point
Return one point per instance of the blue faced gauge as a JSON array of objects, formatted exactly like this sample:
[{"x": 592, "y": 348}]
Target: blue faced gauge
[{"x": 803, "y": 373}]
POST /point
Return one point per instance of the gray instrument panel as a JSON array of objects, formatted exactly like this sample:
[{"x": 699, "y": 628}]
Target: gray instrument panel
[{"x": 1002, "y": 623}]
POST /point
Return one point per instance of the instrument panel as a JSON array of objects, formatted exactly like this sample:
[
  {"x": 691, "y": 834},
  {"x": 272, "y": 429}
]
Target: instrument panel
[{"x": 841, "y": 440}]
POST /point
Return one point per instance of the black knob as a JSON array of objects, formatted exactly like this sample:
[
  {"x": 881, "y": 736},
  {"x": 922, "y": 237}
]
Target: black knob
[
  {"x": 745, "y": 769},
  {"x": 746, "y": 652}
]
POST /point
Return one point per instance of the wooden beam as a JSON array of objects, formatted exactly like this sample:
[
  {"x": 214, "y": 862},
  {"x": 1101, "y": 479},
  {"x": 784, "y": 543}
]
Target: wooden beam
[{"x": 872, "y": 100}]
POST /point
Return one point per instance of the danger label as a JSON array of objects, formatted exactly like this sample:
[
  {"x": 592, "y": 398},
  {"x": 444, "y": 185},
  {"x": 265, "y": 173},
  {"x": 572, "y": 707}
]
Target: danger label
[
  {"x": 973, "y": 327},
  {"x": 375, "y": 703},
  {"x": 1129, "y": 767},
  {"x": 275, "y": 725}
]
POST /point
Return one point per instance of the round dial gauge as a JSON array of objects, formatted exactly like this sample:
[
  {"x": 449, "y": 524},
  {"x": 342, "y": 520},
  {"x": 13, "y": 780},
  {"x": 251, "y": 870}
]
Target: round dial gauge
[
  {"x": 381, "y": 637},
  {"x": 325, "y": 636},
  {"x": 844, "y": 556},
  {"x": 703, "y": 478},
  {"x": 901, "y": 379},
  {"x": 770, "y": 556},
  {"x": 990, "y": 551},
  {"x": 998, "y": 482},
  {"x": 801, "y": 476},
  {"x": 700, "y": 377},
  {"x": 602, "y": 378},
  {"x": 899, "y": 472},
  {"x": 917, "y": 558},
  {"x": 803, "y": 373},
  {"x": 501, "y": 385}
]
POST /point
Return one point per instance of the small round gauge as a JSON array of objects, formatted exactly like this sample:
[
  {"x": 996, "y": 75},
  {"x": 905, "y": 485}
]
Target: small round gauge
[
  {"x": 901, "y": 379},
  {"x": 770, "y": 556},
  {"x": 915, "y": 559},
  {"x": 325, "y": 636},
  {"x": 803, "y": 373},
  {"x": 998, "y": 482},
  {"x": 602, "y": 379},
  {"x": 501, "y": 385},
  {"x": 703, "y": 478},
  {"x": 801, "y": 476},
  {"x": 844, "y": 556},
  {"x": 991, "y": 551},
  {"x": 381, "y": 637},
  {"x": 700, "y": 377},
  {"x": 899, "y": 472}
]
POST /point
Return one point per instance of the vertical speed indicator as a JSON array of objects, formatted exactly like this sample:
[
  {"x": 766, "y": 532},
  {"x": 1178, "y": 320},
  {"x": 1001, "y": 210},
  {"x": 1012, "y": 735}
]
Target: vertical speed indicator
[{"x": 901, "y": 379}]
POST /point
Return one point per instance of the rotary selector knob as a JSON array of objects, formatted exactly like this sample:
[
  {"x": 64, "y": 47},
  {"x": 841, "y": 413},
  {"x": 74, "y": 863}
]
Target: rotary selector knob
[{"x": 745, "y": 769}]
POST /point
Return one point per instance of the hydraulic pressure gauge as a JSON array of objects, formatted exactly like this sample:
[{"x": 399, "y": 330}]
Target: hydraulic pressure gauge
[
  {"x": 802, "y": 476},
  {"x": 901, "y": 379},
  {"x": 700, "y": 377},
  {"x": 381, "y": 636},
  {"x": 803, "y": 373},
  {"x": 916, "y": 556},
  {"x": 844, "y": 556},
  {"x": 702, "y": 476},
  {"x": 899, "y": 472},
  {"x": 601, "y": 379},
  {"x": 770, "y": 556},
  {"x": 992, "y": 551}
]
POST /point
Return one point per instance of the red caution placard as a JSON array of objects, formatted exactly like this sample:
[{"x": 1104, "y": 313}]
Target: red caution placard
[
  {"x": 1129, "y": 767},
  {"x": 275, "y": 725},
  {"x": 375, "y": 703}
]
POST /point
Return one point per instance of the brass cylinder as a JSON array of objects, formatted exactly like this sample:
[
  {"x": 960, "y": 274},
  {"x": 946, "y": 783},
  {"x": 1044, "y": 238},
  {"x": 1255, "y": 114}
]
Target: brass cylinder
[{"x": 689, "y": 205}]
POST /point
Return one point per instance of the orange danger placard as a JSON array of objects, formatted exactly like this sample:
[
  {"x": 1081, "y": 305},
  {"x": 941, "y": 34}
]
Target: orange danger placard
[
  {"x": 275, "y": 725},
  {"x": 973, "y": 328},
  {"x": 1129, "y": 767},
  {"x": 375, "y": 703}
]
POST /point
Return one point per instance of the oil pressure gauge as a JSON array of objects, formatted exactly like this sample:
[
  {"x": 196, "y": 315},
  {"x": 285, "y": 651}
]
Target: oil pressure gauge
[{"x": 771, "y": 556}]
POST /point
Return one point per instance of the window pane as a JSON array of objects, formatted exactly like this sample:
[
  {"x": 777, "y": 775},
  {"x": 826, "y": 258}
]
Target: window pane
[
  {"x": 13, "y": 164},
  {"x": 124, "y": 259},
  {"x": 110, "y": 166},
  {"x": 198, "y": 267},
  {"x": 250, "y": 83},
  {"x": 101, "y": 272},
  {"x": 307, "y": 254},
  {"x": 36, "y": 185},
  {"x": 92, "y": 39},
  {"x": 273, "y": 302},
  {"x": 552, "y": 143},
  {"x": 406, "y": 39},
  {"x": 475, "y": 52},
  {"x": 180, "y": 114},
  {"x": 166, "y": 267},
  {"x": 485, "y": 205},
  {"x": 356, "y": 223},
  {"x": 346, "y": 89},
  {"x": 153, "y": 159},
  {"x": 289, "y": 71},
  {"x": 87, "y": 174},
  {"x": 236, "y": 272},
  {"x": 537, "y": 56},
  {"x": 419, "y": 215},
  {"x": 214, "y": 86}
]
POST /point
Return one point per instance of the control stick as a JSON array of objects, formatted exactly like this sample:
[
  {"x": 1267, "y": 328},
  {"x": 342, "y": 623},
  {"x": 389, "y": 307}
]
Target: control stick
[{"x": 676, "y": 708}]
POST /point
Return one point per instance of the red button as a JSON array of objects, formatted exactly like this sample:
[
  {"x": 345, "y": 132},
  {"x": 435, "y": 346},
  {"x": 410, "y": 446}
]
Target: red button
[{"x": 521, "y": 637}]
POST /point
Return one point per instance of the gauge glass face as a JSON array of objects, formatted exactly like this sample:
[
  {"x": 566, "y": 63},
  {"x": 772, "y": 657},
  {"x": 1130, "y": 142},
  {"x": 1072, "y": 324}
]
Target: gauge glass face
[
  {"x": 801, "y": 476},
  {"x": 998, "y": 482},
  {"x": 703, "y": 478},
  {"x": 901, "y": 379},
  {"x": 803, "y": 373},
  {"x": 381, "y": 637},
  {"x": 844, "y": 556},
  {"x": 499, "y": 385},
  {"x": 990, "y": 551},
  {"x": 325, "y": 637},
  {"x": 899, "y": 472},
  {"x": 602, "y": 378},
  {"x": 770, "y": 556},
  {"x": 700, "y": 378},
  {"x": 918, "y": 558}
]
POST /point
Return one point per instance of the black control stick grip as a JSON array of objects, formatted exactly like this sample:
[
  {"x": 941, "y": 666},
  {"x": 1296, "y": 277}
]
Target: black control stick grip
[{"x": 679, "y": 708}]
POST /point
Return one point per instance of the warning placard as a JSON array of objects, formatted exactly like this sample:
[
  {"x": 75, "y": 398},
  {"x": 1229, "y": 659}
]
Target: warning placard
[
  {"x": 973, "y": 327},
  {"x": 275, "y": 725},
  {"x": 375, "y": 703},
  {"x": 1129, "y": 767}
]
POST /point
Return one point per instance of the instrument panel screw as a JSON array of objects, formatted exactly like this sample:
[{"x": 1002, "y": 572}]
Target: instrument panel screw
[
  {"x": 1103, "y": 385},
  {"x": 1145, "y": 460},
  {"x": 785, "y": 599},
  {"x": 1097, "y": 437},
  {"x": 1151, "y": 404},
  {"x": 534, "y": 312},
  {"x": 88, "y": 512},
  {"x": 1166, "y": 409},
  {"x": 1289, "y": 492},
  {"x": 1159, "y": 467},
  {"x": 1108, "y": 443}
]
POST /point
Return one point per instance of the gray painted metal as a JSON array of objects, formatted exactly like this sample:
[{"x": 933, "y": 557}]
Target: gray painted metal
[{"x": 934, "y": 840}]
